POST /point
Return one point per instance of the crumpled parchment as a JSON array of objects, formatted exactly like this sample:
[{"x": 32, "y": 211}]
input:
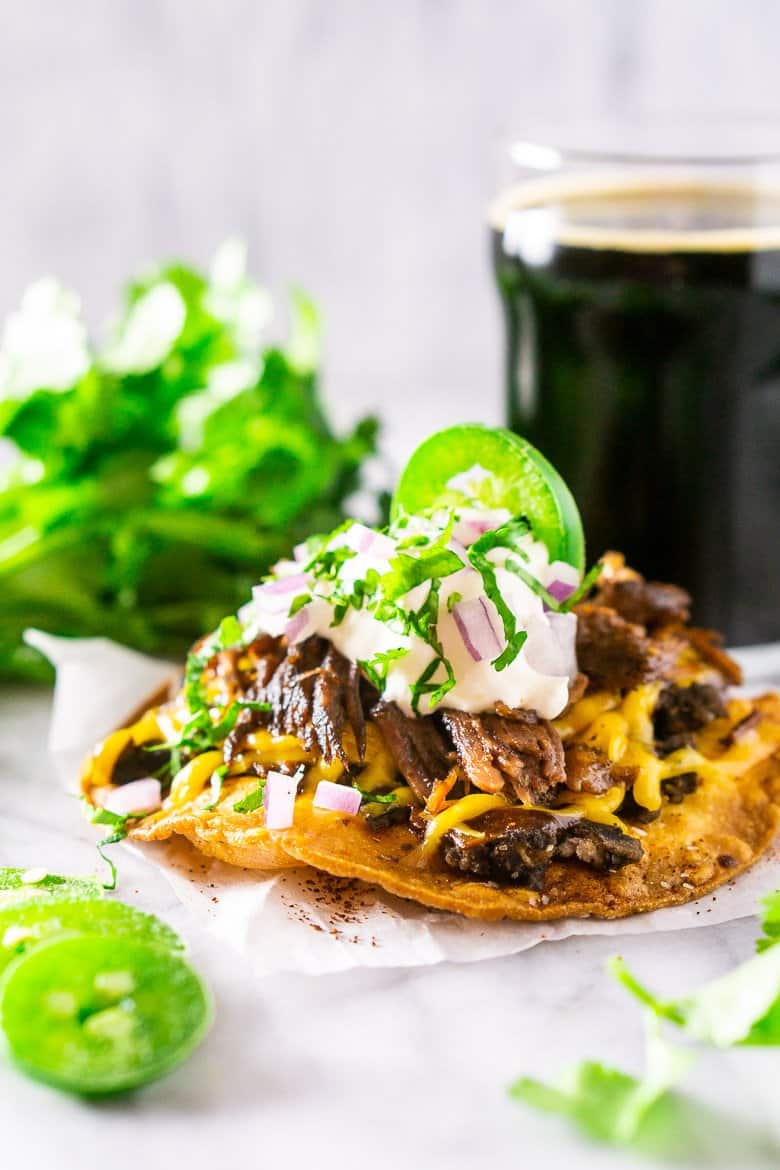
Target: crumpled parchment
[{"x": 302, "y": 920}]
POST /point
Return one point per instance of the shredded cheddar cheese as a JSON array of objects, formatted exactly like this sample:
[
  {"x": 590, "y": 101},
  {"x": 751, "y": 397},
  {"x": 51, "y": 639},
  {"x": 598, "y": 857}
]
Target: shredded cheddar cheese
[
  {"x": 456, "y": 813},
  {"x": 619, "y": 727}
]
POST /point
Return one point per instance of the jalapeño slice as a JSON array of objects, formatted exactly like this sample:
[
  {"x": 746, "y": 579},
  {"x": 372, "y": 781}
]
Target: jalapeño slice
[
  {"x": 97, "y": 1015},
  {"x": 27, "y": 925},
  {"x": 493, "y": 468},
  {"x": 35, "y": 884}
]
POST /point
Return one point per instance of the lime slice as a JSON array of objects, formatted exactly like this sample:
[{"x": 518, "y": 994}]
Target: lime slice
[
  {"x": 22, "y": 885},
  {"x": 98, "y": 1015},
  {"x": 496, "y": 469},
  {"x": 27, "y": 925}
]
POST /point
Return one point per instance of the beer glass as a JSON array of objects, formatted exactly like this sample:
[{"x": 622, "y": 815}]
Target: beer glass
[{"x": 641, "y": 295}]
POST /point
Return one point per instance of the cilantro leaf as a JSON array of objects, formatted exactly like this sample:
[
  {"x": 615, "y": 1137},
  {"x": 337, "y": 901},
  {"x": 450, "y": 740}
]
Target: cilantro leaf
[
  {"x": 407, "y": 572},
  {"x": 374, "y": 797},
  {"x": 252, "y": 801},
  {"x": 741, "y": 1007},
  {"x": 770, "y": 921},
  {"x": 158, "y": 476},
  {"x": 376, "y": 668},
  {"x": 606, "y": 1104}
]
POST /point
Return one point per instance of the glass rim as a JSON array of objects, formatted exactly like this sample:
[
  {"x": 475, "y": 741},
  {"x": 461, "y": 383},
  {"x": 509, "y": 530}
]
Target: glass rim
[{"x": 680, "y": 141}]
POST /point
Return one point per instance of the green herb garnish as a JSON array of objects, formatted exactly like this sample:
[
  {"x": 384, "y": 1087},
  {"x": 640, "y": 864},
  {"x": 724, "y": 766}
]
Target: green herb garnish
[
  {"x": 118, "y": 825},
  {"x": 374, "y": 797},
  {"x": 742, "y": 1007},
  {"x": 606, "y": 1104},
  {"x": 253, "y": 800},
  {"x": 145, "y": 500},
  {"x": 376, "y": 669},
  {"x": 515, "y": 639}
]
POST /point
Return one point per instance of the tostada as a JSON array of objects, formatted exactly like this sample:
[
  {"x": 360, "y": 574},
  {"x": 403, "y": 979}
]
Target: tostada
[{"x": 453, "y": 709}]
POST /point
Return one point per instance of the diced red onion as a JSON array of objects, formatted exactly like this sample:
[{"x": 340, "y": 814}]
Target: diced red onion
[
  {"x": 279, "y": 800},
  {"x": 296, "y": 625},
  {"x": 140, "y": 796},
  {"x": 473, "y": 529},
  {"x": 565, "y": 628},
  {"x": 369, "y": 541},
  {"x": 550, "y": 645},
  {"x": 560, "y": 590},
  {"x": 476, "y": 628},
  {"x": 282, "y": 586},
  {"x": 337, "y": 797}
]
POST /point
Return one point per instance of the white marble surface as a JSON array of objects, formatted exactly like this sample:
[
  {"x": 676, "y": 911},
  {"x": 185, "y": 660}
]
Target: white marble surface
[{"x": 367, "y": 1068}]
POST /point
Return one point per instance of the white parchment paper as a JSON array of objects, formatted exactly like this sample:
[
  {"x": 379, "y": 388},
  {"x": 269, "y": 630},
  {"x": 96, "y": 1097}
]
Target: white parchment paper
[{"x": 301, "y": 920}]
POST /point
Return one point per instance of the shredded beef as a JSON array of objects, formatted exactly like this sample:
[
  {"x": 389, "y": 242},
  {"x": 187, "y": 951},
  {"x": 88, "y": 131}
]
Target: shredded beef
[
  {"x": 514, "y": 748},
  {"x": 416, "y": 745},
  {"x": 137, "y": 761},
  {"x": 520, "y": 844},
  {"x": 644, "y": 603},
  {"x": 616, "y": 654},
  {"x": 313, "y": 693},
  {"x": 602, "y": 846},
  {"x": 709, "y": 645},
  {"x": 336, "y": 702},
  {"x": 265, "y": 653},
  {"x": 676, "y": 788},
  {"x": 590, "y": 770},
  {"x": 673, "y": 788},
  {"x": 682, "y": 711}
]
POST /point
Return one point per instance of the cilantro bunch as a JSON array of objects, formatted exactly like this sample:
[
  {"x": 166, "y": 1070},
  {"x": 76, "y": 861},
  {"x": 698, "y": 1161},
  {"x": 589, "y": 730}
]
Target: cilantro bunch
[{"x": 155, "y": 477}]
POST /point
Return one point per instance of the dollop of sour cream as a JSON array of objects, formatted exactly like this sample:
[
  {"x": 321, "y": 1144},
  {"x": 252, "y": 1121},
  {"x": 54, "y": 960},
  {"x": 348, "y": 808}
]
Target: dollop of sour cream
[{"x": 299, "y": 602}]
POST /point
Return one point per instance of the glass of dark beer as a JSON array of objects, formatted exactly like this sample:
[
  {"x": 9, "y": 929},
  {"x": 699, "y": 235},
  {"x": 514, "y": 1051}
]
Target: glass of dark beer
[{"x": 641, "y": 294}]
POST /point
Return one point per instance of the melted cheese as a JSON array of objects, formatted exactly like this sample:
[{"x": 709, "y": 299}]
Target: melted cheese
[
  {"x": 596, "y": 808},
  {"x": 190, "y": 780},
  {"x": 457, "y": 813},
  {"x": 100, "y": 767},
  {"x": 621, "y": 728}
]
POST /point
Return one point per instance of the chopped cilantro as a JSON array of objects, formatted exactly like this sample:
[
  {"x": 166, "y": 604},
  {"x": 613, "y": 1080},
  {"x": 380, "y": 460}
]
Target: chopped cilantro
[
  {"x": 376, "y": 669},
  {"x": 253, "y": 800},
  {"x": 374, "y": 797},
  {"x": 298, "y": 603},
  {"x": 515, "y": 638},
  {"x": 407, "y": 572},
  {"x": 118, "y": 824}
]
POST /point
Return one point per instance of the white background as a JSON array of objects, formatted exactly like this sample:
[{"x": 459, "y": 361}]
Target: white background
[{"x": 354, "y": 143}]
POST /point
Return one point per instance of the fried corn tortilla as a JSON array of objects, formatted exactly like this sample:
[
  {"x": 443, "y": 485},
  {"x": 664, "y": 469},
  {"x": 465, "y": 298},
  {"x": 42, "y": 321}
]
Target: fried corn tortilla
[
  {"x": 693, "y": 846},
  {"x": 714, "y": 835}
]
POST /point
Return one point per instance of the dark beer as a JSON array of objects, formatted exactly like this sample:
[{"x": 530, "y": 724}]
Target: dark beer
[{"x": 643, "y": 358}]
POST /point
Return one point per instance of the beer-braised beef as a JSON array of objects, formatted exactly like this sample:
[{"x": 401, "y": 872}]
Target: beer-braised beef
[
  {"x": 616, "y": 654},
  {"x": 519, "y": 844},
  {"x": 514, "y": 751},
  {"x": 681, "y": 711},
  {"x": 645, "y": 603},
  {"x": 416, "y": 745}
]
